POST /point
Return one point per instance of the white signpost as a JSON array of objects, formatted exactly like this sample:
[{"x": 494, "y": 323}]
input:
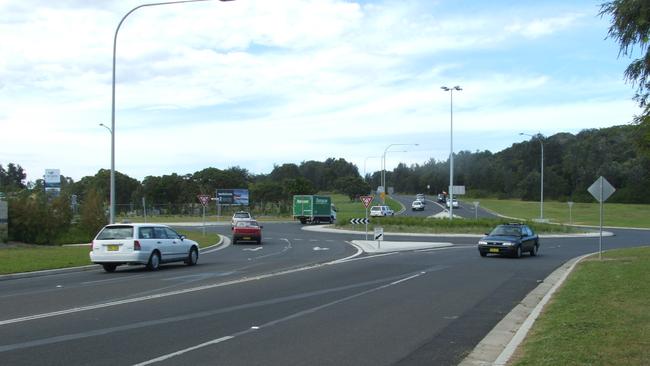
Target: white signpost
[
  {"x": 367, "y": 200},
  {"x": 476, "y": 203},
  {"x": 601, "y": 190},
  {"x": 204, "y": 199},
  {"x": 570, "y": 203},
  {"x": 379, "y": 235}
]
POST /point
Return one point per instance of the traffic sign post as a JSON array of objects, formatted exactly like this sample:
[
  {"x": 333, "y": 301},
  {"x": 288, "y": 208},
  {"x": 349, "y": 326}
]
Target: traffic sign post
[
  {"x": 476, "y": 203},
  {"x": 204, "y": 199},
  {"x": 379, "y": 235},
  {"x": 570, "y": 203},
  {"x": 366, "y": 203},
  {"x": 601, "y": 189}
]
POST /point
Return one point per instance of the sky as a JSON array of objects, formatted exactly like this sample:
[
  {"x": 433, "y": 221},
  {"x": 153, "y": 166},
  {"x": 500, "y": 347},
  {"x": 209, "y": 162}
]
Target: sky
[{"x": 258, "y": 83}]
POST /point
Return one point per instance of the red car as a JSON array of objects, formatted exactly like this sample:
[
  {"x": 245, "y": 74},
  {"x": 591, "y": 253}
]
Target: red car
[{"x": 247, "y": 230}]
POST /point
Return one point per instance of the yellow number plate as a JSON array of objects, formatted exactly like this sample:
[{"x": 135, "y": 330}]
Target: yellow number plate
[
  {"x": 494, "y": 250},
  {"x": 247, "y": 238},
  {"x": 112, "y": 248}
]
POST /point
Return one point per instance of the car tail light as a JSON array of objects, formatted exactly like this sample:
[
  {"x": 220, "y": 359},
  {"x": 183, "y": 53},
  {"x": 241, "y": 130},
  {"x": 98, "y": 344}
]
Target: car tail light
[{"x": 136, "y": 245}]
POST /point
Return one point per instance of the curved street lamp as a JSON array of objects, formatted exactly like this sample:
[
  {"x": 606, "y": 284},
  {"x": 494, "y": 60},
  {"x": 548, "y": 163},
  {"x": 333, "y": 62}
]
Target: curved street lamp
[
  {"x": 451, "y": 148},
  {"x": 383, "y": 166},
  {"x": 112, "y": 195},
  {"x": 541, "y": 189}
]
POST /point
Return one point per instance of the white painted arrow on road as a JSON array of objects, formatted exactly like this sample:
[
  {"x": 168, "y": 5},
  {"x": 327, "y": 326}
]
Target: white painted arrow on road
[
  {"x": 253, "y": 249},
  {"x": 319, "y": 248}
]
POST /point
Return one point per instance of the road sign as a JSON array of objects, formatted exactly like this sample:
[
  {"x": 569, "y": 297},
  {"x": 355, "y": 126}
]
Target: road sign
[
  {"x": 458, "y": 190},
  {"x": 366, "y": 200},
  {"x": 601, "y": 189},
  {"x": 379, "y": 233},
  {"x": 359, "y": 221},
  {"x": 204, "y": 199}
]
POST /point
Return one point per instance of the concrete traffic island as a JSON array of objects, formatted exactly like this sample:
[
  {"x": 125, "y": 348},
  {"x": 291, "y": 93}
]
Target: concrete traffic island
[{"x": 374, "y": 246}]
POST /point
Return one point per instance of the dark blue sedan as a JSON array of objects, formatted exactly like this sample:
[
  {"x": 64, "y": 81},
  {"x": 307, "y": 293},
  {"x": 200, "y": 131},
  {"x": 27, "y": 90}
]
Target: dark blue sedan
[{"x": 511, "y": 240}]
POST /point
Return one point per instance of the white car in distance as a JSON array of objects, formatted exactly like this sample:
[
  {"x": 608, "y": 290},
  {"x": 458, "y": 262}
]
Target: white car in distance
[{"x": 148, "y": 244}]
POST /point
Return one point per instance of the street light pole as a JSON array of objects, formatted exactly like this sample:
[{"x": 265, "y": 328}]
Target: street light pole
[
  {"x": 451, "y": 148},
  {"x": 383, "y": 167},
  {"x": 541, "y": 188},
  {"x": 112, "y": 194}
]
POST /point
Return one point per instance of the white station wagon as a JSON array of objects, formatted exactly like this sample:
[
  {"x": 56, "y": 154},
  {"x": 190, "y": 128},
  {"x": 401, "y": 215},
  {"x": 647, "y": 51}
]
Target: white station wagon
[{"x": 148, "y": 244}]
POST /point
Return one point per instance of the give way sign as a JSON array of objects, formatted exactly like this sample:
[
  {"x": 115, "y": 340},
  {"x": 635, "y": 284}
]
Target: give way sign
[
  {"x": 204, "y": 198},
  {"x": 366, "y": 200}
]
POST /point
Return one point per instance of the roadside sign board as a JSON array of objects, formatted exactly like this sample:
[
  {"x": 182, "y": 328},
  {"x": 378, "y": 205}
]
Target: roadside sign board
[
  {"x": 458, "y": 190},
  {"x": 204, "y": 199},
  {"x": 359, "y": 221},
  {"x": 366, "y": 200},
  {"x": 601, "y": 189},
  {"x": 379, "y": 233}
]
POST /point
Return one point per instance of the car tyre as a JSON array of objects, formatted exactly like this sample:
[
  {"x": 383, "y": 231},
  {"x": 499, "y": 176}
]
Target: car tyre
[
  {"x": 192, "y": 257},
  {"x": 109, "y": 267},
  {"x": 533, "y": 252},
  {"x": 483, "y": 254},
  {"x": 234, "y": 241},
  {"x": 259, "y": 241},
  {"x": 154, "y": 261},
  {"x": 518, "y": 252}
]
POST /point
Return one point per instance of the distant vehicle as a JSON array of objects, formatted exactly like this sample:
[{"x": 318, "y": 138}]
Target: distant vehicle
[
  {"x": 313, "y": 209},
  {"x": 380, "y": 211},
  {"x": 247, "y": 230},
  {"x": 454, "y": 203},
  {"x": 417, "y": 206},
  {"x": 420, "y": 197},
  {"x": 441, "y": 198},
  {"x": 148, "y": 244},
  {"x": 509, "y": 239},
  {"x": 240, "y": 216}
]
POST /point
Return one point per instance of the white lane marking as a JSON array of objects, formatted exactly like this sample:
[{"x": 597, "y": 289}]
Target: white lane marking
[
  {"x": 365, "y": 258},
  {"x": 278, "y": 321},
  {"x": 297, "y": 239},
  {"x": 192, "y": 289},
  {"x": 252, "y": 249},
  {"x": 319, "y": 248},
  {"x": 312, "y": 240},
  {"x": 226, "y": 244},
  {"x": 178, "y": 353}
]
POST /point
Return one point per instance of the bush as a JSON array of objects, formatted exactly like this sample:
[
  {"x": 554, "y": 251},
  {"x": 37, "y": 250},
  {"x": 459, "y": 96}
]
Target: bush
[
  {"x": 35, "y": 218},
  {"x": 92, "y": 215}
]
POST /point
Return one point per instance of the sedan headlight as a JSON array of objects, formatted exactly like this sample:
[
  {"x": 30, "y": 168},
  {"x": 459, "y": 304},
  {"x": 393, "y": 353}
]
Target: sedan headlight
[{"x": 482, "y": 242}]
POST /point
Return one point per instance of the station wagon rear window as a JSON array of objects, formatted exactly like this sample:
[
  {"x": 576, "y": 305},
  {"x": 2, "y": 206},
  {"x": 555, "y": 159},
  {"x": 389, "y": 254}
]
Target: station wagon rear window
[{"x": 116, "y": 232}]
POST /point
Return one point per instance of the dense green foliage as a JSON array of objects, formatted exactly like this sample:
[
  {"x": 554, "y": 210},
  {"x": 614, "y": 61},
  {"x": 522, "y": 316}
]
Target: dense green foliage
[
  {"x": 630, "y": 26},
  {"x": 571, "y": 164}
]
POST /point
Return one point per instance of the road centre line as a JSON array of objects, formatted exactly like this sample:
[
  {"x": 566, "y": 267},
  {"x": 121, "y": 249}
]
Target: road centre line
[
  {"x": 202, "y": 314},
  {"x": 278, "y": 321},
  {"x": 171, "y": 293}
]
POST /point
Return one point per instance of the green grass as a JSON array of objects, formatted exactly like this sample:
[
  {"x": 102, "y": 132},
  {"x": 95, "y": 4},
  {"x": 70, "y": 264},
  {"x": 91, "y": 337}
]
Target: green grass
[
  {"x": 615, "y": 214},
  {"x": 16, "y": 258},
  {"x": 415, "y": 224},
  {"x": 599, "y": 317}
]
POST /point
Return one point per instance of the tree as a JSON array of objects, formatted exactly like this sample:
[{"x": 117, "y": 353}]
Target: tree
[
  {"x": 352, "y": 186},
  {"x": 631, "y": 28},
  {"x": 93, "y": 216}
]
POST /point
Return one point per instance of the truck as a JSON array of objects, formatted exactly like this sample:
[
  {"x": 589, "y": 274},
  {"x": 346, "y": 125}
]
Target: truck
[{"x": 313, "y": 209}]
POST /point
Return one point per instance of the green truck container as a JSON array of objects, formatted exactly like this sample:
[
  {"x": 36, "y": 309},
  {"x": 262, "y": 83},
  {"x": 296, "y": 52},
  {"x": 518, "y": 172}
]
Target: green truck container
[{"x": 313, "y": 209}]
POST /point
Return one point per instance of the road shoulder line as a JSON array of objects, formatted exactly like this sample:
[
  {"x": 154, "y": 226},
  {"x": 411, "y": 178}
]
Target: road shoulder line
[{"x": 498, "y": 346}]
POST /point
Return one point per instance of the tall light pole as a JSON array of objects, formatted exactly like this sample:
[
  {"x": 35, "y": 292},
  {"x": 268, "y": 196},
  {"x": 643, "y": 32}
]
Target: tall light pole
[
  {"x": 383, "y": 167},
  {"x": 451, "y": 148},
  {"x": 111, "y": 208},
  {"x": 112, "y": 198},
  {"x": 541, "y": 189}
]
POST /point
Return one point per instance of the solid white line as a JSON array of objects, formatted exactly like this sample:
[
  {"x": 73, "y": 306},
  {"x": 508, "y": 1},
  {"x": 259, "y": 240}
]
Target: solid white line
[
  {"x": 407, "y": 278},
  {"x": 178, "y": 353}
]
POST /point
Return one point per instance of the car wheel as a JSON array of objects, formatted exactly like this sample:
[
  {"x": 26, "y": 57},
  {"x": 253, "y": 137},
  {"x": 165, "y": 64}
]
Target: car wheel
[
  {"x": 518, "y": 252},
  {"x": 234, "y": 241},
  {"x": 533, "y": 252},
  {"x": 192, "y": 257},
  {"x": 109, "y": 267},
  {"x": 154, "y": 261},
  {"x": 483, "y": 254},
  {"x": 259, "y": 241}
]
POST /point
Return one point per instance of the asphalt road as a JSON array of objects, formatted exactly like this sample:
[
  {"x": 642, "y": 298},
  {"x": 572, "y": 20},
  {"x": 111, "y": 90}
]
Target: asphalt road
[
  {"x": 432, "y": 207},
  {"x": 289, "y": 303}
]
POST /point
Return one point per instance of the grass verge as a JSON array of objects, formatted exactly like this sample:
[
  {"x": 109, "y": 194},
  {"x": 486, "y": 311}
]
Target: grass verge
[
  {"x": 17, "y": 258},
  {"x": 614, "y": 214},
  {"x": 599, "y": 317},
  {"x": 415, "y": 224}
]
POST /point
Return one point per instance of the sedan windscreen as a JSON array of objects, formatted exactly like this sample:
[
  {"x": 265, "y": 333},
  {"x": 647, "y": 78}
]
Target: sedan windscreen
[
  {"x": 506, "y": 231},
  {"x": 116, "y": 232}
]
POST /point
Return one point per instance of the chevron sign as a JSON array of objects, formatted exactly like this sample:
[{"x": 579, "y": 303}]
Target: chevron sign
[{"x": 359, "y": 221}]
